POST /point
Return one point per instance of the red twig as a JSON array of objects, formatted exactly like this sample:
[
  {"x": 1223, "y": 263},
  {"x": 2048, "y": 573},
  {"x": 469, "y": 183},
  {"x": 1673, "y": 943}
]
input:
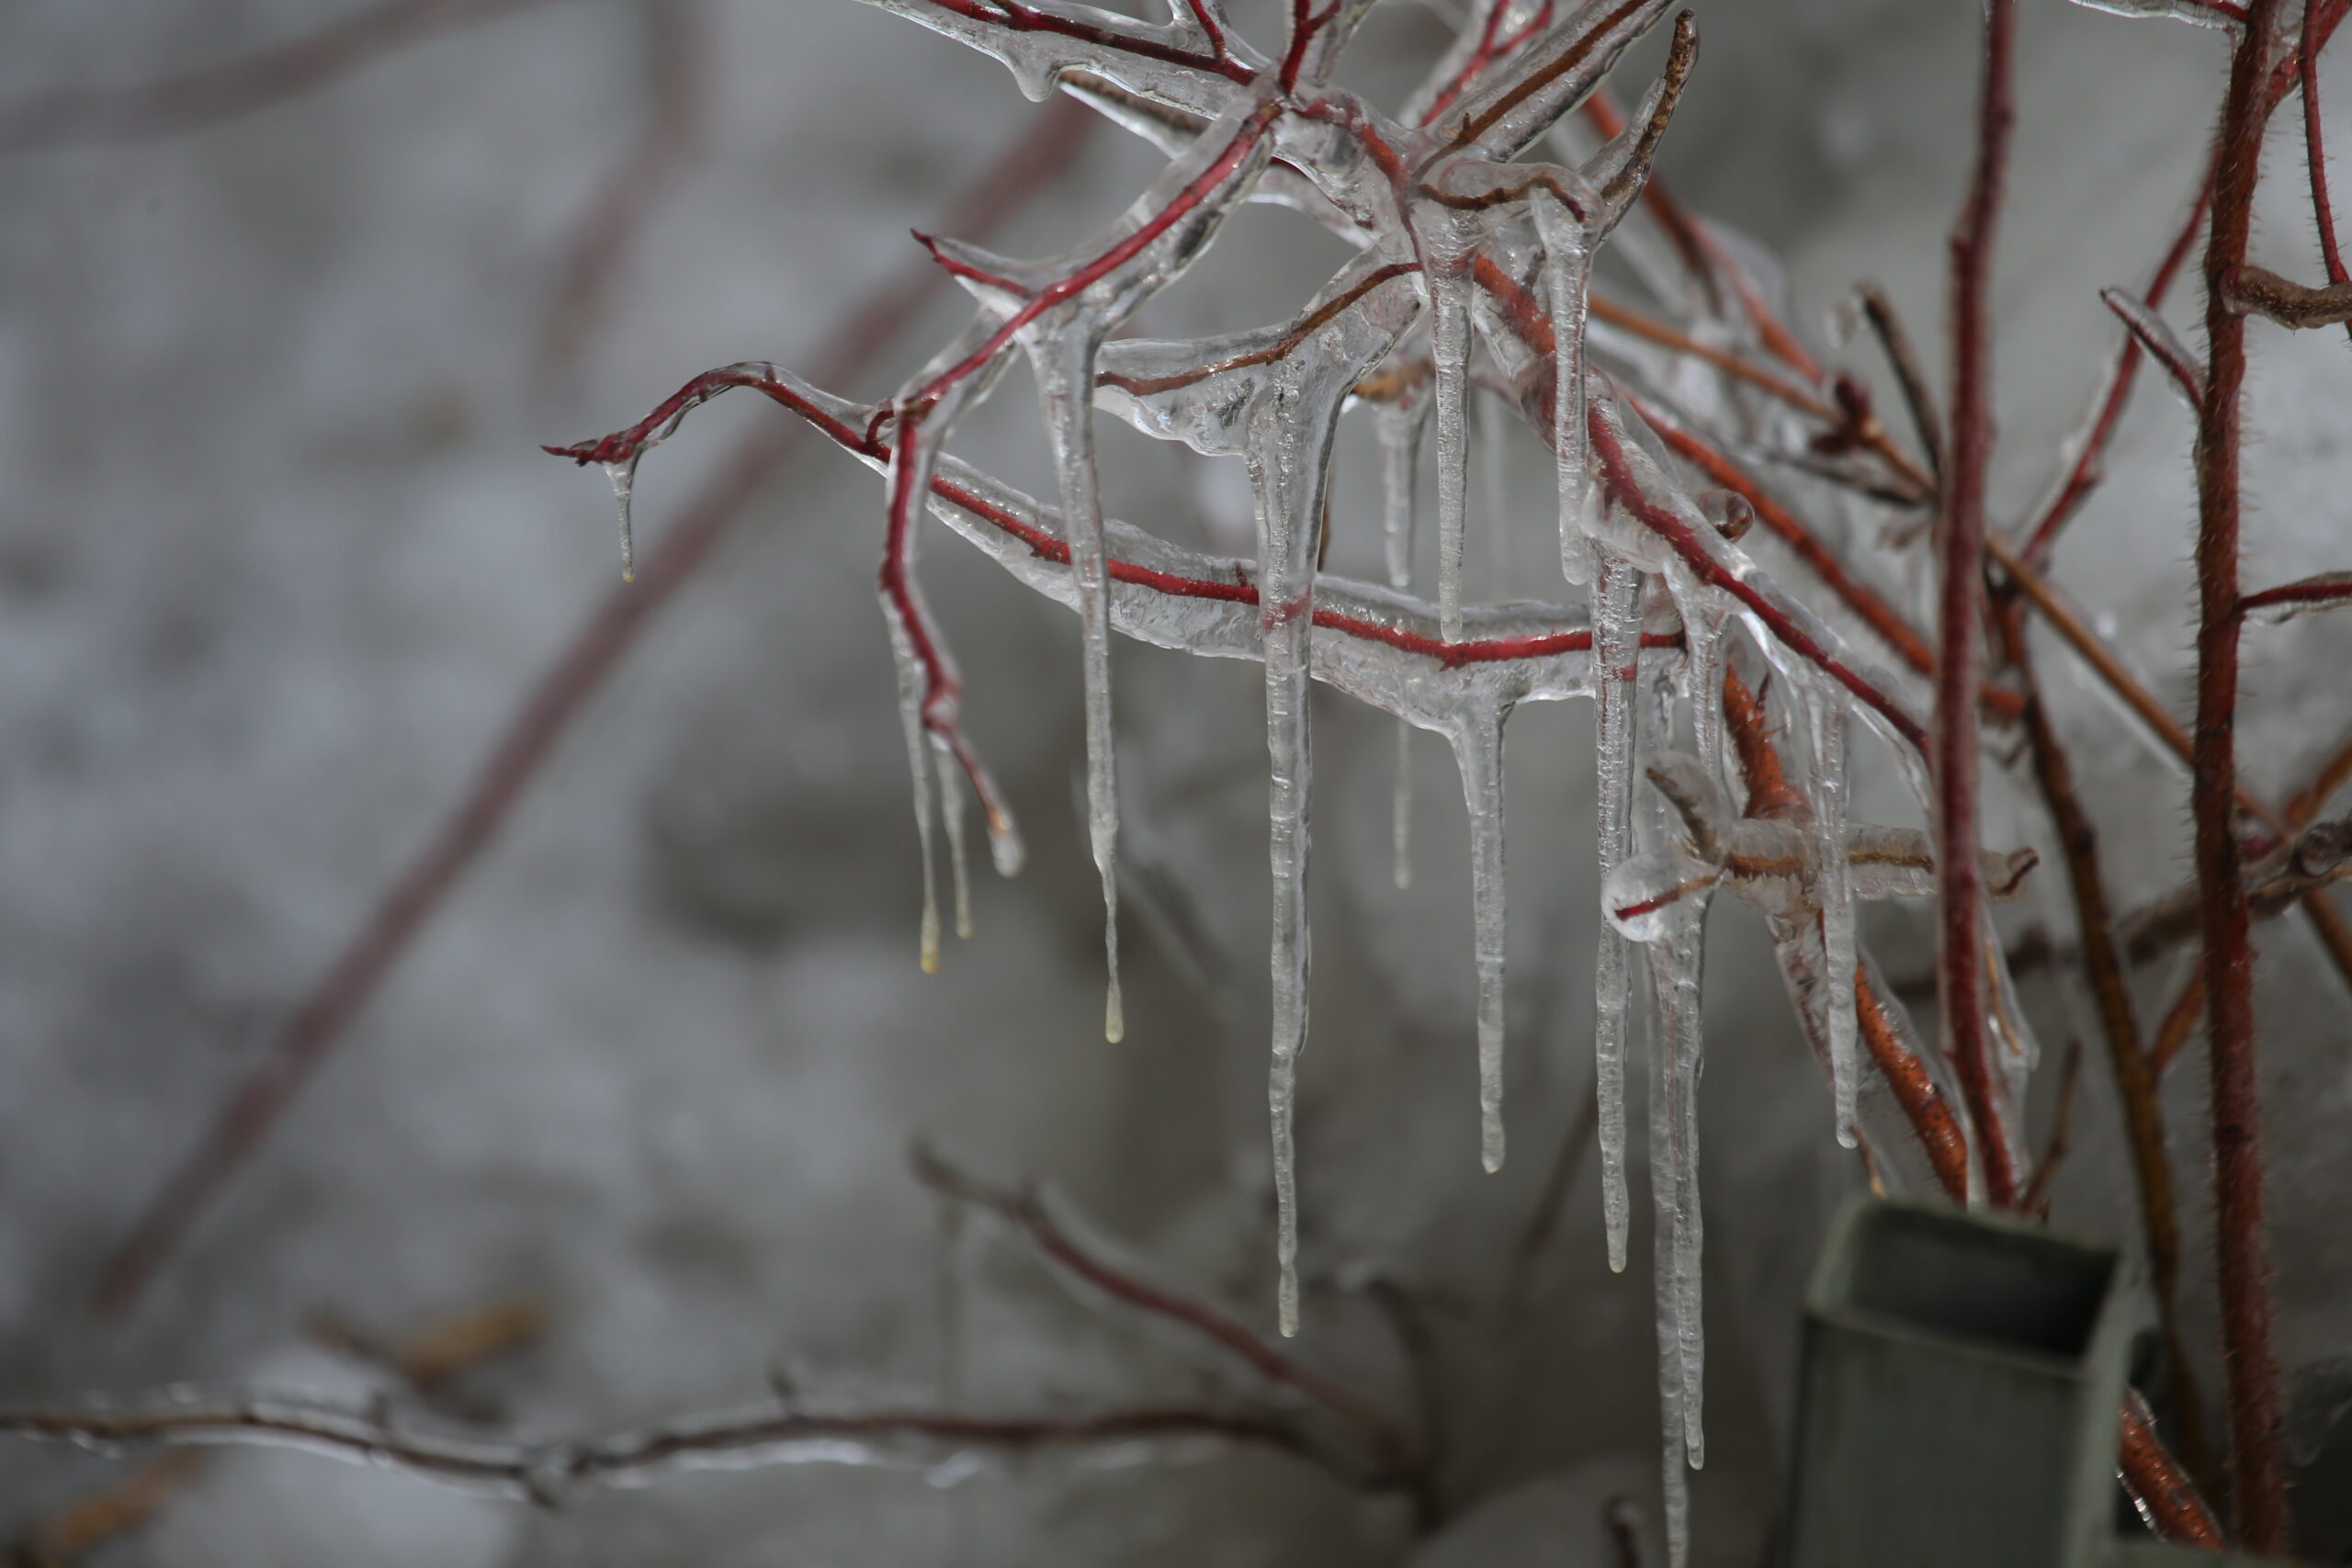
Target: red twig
[
  {"x": 2315, "y": 149},
  {"x": 1923, "y": 1103},
  {"x": 2323, "y": 592},
  {"x": 327, "y": 1011},
  {"x": 105, "y": 116},
  {"x": 1961, "y": 609},
  {"x": 2257, "y": 1481}
]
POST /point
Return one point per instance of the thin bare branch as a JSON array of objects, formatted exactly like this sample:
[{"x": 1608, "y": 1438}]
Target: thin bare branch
[
  {"x": 552, "y": 1472},
  {"x": 176, "y": 104}
]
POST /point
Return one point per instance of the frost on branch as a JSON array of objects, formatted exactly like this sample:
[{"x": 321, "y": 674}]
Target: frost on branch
[{"x": 1470, "y": 268}]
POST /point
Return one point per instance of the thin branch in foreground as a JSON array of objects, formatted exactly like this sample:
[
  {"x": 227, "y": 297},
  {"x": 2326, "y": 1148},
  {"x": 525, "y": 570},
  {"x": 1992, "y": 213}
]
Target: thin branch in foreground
[
  {"x": 1895, "y": 342},
  {"x": 549, "y": 1473},
  {"x": 2135, "y": 1083},
  {"x": 676, "y": 47},
  {"x": 2315, "y": 147},
  {"x": 2257, "y": 1469},
  {"x": 174, "y": 105},
  {"x": 1953, "y": 760},
  {"x": 610, "y": 631}
]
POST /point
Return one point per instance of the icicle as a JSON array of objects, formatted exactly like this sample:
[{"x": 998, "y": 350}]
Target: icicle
[
  {"x": 1478, "y": 749},
  {"x": 910, "y": 695},
  {"x": 1666, "y": 1255},
  {"x": 623, "y": 477},
  {"x": 1616, "y": 649},
  {"x": 1400, "y": 426},
  {"x": 1289, "y": 747},
  {"x": 1825, "y": 707},
  {"x": 1676, "y": 965},
  {"x": 1567, "y": 266},
  {"x": 1288, "y": 475},
  {"x": 952, "y": 803},
  {"x": 1450, "y": 344},
  {"x": 1064, "y": 370}
]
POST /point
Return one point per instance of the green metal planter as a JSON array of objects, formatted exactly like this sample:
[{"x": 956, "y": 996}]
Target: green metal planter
[{"x": 1958, "y": 1408}]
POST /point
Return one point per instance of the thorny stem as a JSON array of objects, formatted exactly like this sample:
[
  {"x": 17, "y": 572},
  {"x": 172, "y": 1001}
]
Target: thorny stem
[
  {"x": 2315, "y": 146},
  {"x": 1961, "y": 608},
  {"x": 327, "y": 1011},
  {"x": 2258, "y": 1486}
]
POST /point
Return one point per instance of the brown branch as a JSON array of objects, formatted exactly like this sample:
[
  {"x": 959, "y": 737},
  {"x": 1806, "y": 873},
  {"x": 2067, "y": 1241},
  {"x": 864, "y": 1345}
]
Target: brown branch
[
  {"x": 1961, "y": 608},
  {"x": 675, "y": 47},
  {"x": 2315, "y": 146},
  {"x": 173, "y": 105},
  {"x": 1915, "y": 1091},
  {"x": 1878, "y": 310},
  {"x": 2135, "y": 1083},
  {"x": 2287, "y": 302},
  {"x": 1026, "y": 1211},
  {"x": 551, "y": 1472},
  {"x": 2257, "y": 1480},
  {"x": 578, "y": 672}
]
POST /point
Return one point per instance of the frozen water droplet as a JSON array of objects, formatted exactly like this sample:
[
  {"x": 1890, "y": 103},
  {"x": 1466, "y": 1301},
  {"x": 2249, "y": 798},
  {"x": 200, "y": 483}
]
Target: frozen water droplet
[{"x": 623, "y": 477}]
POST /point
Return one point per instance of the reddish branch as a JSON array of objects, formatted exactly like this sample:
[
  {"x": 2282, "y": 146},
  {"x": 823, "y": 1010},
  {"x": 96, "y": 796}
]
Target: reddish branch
[
  {"x": 1961, "y": 609},
  {"x": 2259, "y": 1483},
  {"x": 326, "y": 1013},
  {"x": 2315, "y": 146},
  {"x": 674, "y": 50},
  {"x": 81, "y": 117},
  {"x": 2167, "y": 1496}
]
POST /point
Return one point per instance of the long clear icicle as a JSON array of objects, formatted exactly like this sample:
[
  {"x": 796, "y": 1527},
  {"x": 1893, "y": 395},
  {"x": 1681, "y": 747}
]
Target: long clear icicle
[
  {"x": 1400, "y": 426},
  {"x": 1065, "y": 368},
  {"x": 1478, "y": 749},
  {"x": 1825, "y": 709},
  {"x": 1450, "y": 346},
  {"x": 1616, "y": 649},
  {"x": 910, "y": 692},
  {"x": 1290, "y": 755},
  {"x": 1566, "y": 270},
  {"x": 1666, "y": 1263}
]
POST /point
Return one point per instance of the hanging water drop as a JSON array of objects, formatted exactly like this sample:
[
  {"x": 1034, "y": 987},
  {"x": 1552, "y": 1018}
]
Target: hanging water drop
[{"x": 623, "y": 477}]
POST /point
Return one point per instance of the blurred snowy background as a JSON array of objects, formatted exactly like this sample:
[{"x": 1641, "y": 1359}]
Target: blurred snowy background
[{"x": 280, "y": 554}]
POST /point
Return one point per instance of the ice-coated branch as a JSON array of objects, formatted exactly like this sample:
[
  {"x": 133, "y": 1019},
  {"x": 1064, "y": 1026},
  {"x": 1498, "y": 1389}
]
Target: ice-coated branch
[
  {"x": 2154, "y": 334},
  {"x": 551, "y": 1473},
  {"x": 2290, "y": 304}
]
